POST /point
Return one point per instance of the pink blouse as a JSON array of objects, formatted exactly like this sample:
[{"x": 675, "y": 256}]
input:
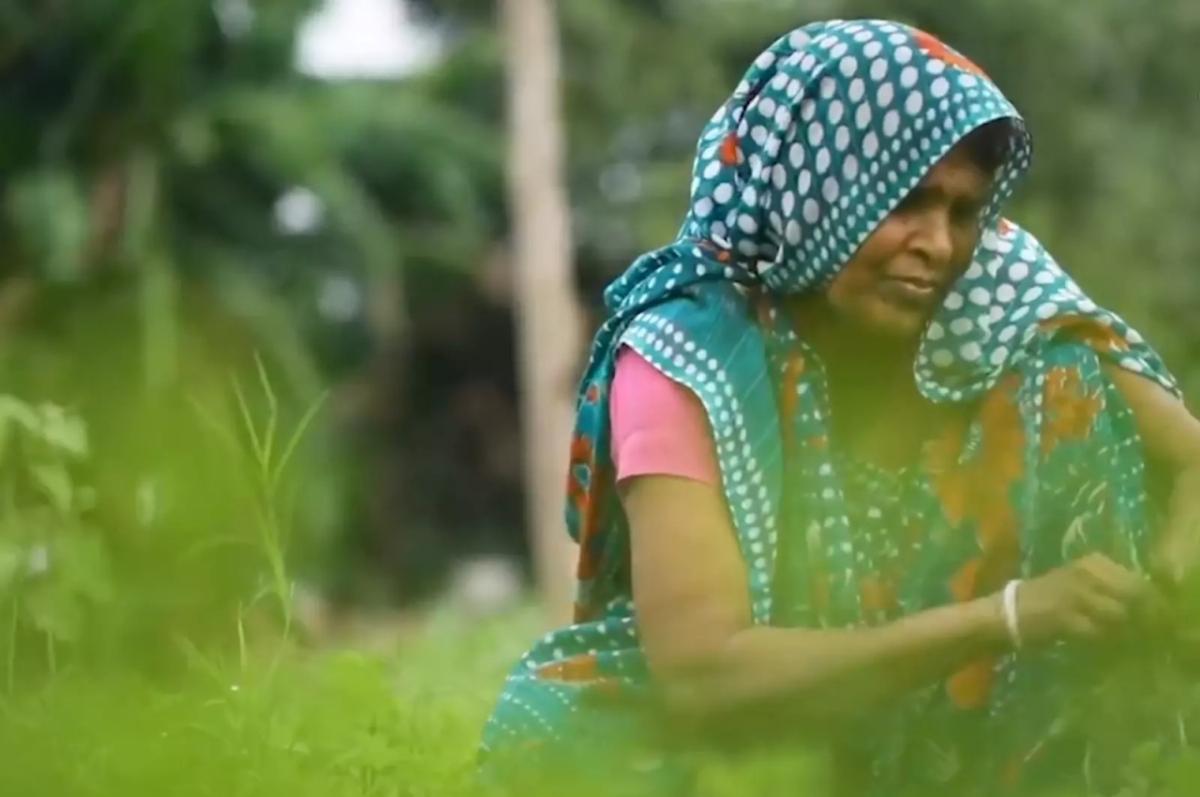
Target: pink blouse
[{"x": 659, "y": 427}]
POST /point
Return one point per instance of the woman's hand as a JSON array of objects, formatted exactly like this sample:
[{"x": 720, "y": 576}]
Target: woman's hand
[{"x": 1090, "y": 598}]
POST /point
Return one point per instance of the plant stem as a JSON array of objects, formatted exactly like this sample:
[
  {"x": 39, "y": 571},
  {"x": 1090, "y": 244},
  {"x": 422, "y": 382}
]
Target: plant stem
[
  {"x": 11, "y": 663},
  {"x": 241, "y": 629}
]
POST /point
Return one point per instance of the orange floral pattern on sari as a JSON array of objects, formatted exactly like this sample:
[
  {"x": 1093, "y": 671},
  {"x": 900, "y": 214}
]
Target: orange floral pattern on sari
[
  {"x": 970, "y": 687},
  {"x": 1101, "y": 338},
  {"x": 1069, "y": 410},
  {"x": 576, "y": 669},
  {"x": 877, "y": 593},
  {"x": 588, "y": 488},
  {"x": 580, "y": 499},
  {"x": 979, "y": 490}
]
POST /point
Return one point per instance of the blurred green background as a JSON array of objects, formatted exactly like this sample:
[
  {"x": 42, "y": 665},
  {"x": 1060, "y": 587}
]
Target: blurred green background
[{"x": 228, "y": 222}]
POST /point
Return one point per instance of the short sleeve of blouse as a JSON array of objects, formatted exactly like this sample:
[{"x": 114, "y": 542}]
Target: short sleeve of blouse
[{"x": 659, "y": 427}]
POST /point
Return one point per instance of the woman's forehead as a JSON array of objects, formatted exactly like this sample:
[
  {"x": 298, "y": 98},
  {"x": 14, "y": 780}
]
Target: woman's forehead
[{"x": 958, "y": 176}]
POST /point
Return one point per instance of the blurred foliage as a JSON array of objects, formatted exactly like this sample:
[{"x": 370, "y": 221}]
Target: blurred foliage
[
  {"x": 151, "y": 150},
  {"x": 54, "y": 566},
  {"x": 400, "y": 724},
  {"x": 332, "y": 724}
]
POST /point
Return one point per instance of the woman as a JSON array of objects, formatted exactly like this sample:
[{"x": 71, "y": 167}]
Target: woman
[{"x": 780, "y": 528}]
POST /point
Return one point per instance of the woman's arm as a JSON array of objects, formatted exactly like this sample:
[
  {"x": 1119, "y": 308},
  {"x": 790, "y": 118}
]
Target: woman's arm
[
  {"x": 1171, "y": 436},
  {"x": 689, "y": 588}
]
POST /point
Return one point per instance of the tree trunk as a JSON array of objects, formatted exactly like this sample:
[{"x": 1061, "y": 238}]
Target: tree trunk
[{"x": 548, "y": 315}]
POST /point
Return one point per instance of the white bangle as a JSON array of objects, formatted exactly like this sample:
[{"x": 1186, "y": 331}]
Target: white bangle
[{"x": 1009, "y": 602}]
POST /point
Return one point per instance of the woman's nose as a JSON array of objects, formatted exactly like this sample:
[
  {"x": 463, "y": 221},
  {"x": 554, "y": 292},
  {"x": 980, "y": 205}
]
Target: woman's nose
[{"x": 935, "y": 238}]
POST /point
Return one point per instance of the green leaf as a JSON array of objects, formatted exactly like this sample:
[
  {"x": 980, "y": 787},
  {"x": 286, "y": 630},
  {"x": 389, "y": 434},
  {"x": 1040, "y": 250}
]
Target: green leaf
[
  {"x": 296, "y": 436},
  {"x": 14, "y": 412},
  {"x": 64, "y": 432},
  {"x": 272, "y": 411},
  {"x": 248, "y": 425},
  {"x": 55, "y": 482}
]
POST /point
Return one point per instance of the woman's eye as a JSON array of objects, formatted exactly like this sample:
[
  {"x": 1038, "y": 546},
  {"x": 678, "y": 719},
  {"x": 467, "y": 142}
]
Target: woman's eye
[
  {"x": 966, "y": 214},
  {"x": 914, "y": 200}
]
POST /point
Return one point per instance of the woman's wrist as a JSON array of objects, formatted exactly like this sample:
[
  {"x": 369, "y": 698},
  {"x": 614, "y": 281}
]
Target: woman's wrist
[{"x": 988, "y": 623}]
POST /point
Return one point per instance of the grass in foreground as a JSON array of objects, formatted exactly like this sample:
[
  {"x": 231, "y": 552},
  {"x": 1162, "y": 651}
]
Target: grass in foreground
[{"x": 283, "y": 720}]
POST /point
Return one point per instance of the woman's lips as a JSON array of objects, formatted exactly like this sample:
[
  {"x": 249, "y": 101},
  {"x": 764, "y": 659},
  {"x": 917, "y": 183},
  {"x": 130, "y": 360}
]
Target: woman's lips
[{"x": 912, "y": 290}]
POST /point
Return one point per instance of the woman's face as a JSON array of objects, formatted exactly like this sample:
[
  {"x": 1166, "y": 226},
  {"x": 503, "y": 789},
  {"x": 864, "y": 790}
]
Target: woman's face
[{"x": 902, "y": 272}]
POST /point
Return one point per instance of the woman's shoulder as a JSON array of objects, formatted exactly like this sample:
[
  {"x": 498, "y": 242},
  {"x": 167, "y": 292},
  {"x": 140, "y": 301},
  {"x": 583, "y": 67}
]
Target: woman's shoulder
[
  {"x": 716, "y": 319},
  {"x": 715, "y": 297}
]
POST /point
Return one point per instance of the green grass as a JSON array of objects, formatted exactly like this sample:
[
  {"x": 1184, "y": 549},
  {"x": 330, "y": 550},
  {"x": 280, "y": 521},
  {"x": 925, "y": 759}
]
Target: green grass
[
  {"x": 280, "y": 719},
  {"x": 328, "y": 723},
  {"x": 296, "y": 722}
]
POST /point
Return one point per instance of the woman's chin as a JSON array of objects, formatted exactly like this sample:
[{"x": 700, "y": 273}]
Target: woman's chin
[{"x": 893, "y": 323}]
